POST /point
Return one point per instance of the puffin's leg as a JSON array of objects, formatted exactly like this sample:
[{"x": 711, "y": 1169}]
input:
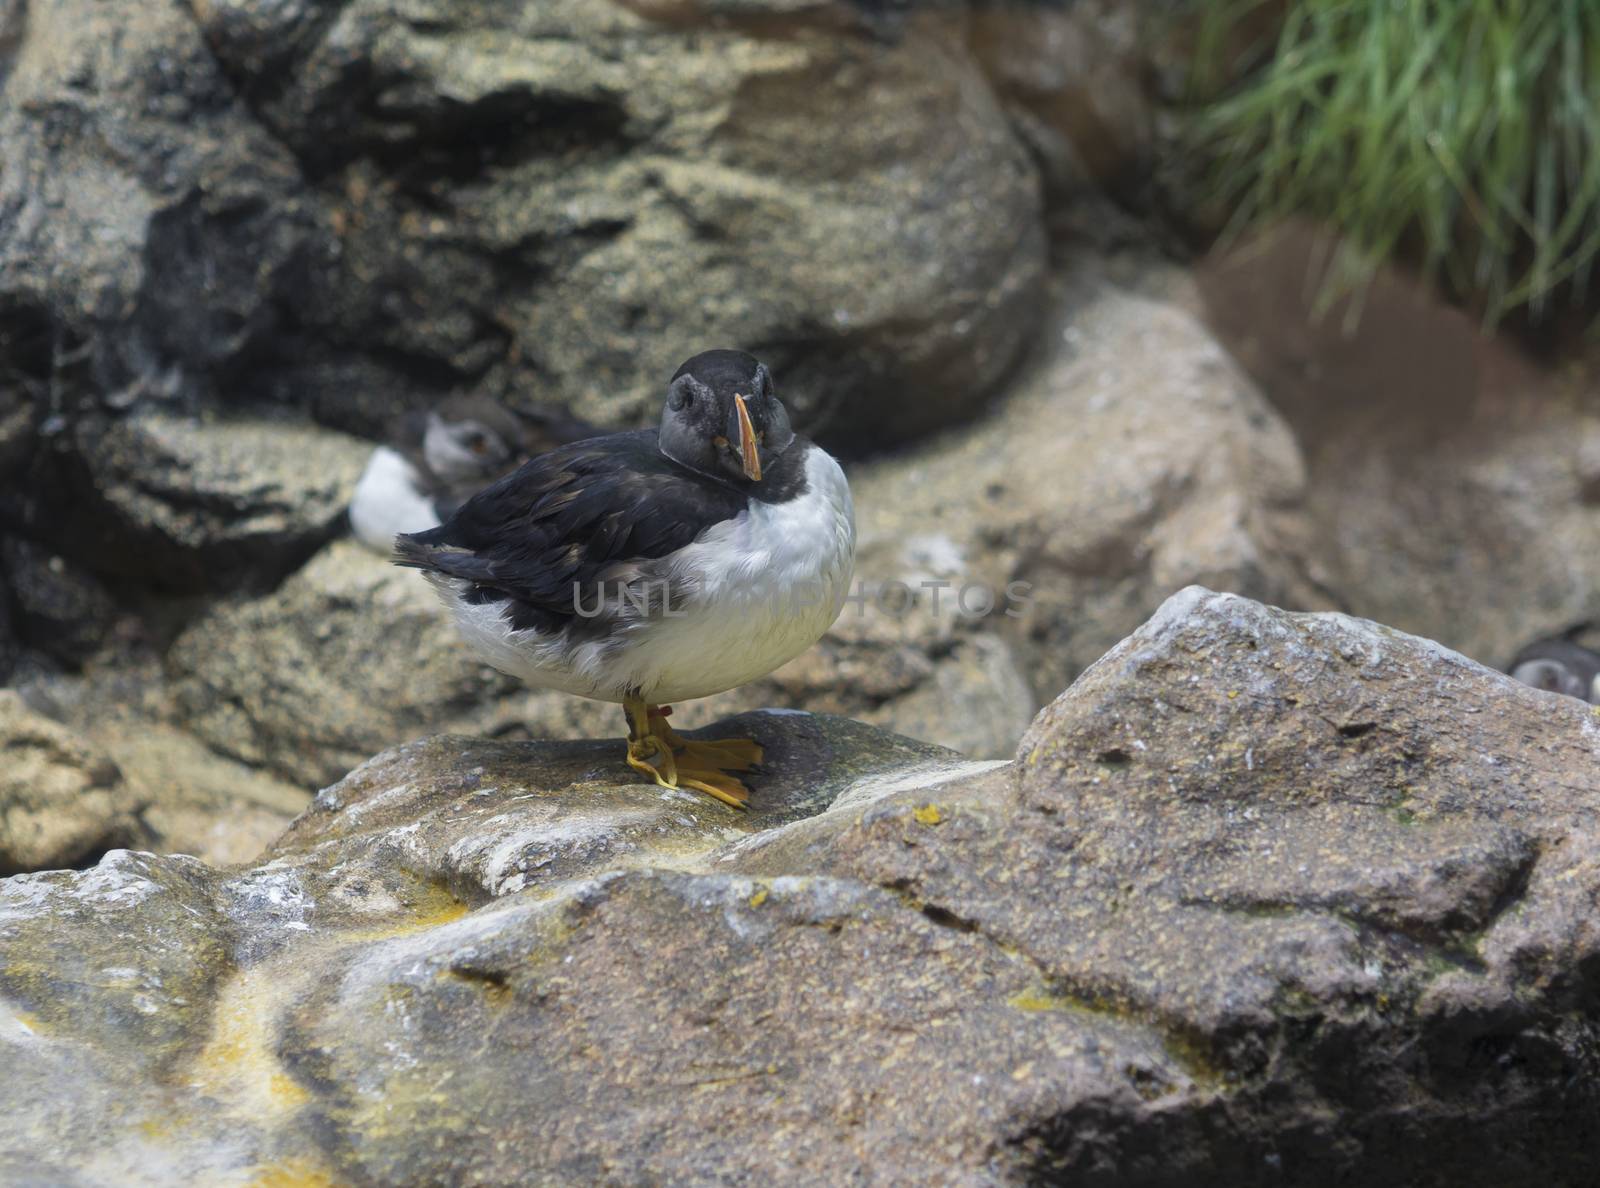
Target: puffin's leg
[
  {"x": 647, "y": 752},
  {"x": 706, "y": 764}
]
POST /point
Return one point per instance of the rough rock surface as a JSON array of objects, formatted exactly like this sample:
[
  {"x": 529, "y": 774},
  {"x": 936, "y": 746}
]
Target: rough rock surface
[
  {"x": 60, "y": 608},
  {"x": 61, "y": 803},
  {"x": 346, "y": 656},
  {"x": 1265, "y": 898},
  {"x": 360, "y": 207},
  {"x": 185, "y": 504},
  {"x": 152, "y": 233}
]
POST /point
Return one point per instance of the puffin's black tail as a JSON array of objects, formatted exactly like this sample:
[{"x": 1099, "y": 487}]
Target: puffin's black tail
[
  {"x": 411, "y": 552},
  {"x": 431, "y": 554}
]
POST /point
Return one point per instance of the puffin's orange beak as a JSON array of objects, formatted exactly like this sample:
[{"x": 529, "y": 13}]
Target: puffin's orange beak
[{"x": 749, "y": 450}]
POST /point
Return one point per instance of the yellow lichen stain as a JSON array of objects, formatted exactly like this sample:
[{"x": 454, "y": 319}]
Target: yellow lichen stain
[
  {"x": 759, "y": 898},
  {"x": 155, "y": 1128},
  {"x": 433, "y": 907},
  {"x": 286, "y": 1089},
  {"x": 291, "y": 1173},
  {"x": 239, "y": 1069},
  {"x": 928, "y": 814},
  {"x": 1039, "y": 1000},
  {"x": 1232, "y": 693},
  {"x": 436, "y": 906},
  {"x": 237, "y": 1065}
]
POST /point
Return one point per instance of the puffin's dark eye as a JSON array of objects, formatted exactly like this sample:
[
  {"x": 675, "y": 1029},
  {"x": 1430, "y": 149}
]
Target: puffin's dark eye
[{"x": 478, "y": 443}]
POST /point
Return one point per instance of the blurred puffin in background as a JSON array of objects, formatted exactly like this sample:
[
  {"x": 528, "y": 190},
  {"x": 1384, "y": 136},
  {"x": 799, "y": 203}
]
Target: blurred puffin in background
[
  {"x": 656, "y": 566},
  {"x": 1560, "y": 664},
  {"x": 436, "y": 460}
]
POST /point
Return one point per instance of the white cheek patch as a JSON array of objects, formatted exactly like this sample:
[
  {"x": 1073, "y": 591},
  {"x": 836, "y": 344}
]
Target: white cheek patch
[{"x": 449, "y": 458}]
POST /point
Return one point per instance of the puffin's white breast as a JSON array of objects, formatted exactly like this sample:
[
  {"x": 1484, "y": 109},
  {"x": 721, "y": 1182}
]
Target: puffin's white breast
[{"x": 758, "y": 590}]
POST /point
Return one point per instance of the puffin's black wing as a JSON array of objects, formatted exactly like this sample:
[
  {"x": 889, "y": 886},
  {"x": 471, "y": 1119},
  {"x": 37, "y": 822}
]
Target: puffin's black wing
[{"x": 551, "y": 531}]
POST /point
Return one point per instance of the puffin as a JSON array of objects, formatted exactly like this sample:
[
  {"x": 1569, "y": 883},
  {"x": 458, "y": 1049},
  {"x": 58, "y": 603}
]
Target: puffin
[
  {"x": 655, "y": 566},
  {"x": 435, "y": 460},
  {"x": 1560, "y": 665}
]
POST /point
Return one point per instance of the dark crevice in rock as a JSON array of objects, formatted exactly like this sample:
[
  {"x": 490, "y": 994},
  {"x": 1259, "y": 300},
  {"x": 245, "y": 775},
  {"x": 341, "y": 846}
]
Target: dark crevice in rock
[
  {"x": 945, "y": 918},
  {"x": 270, "y": 67},
  {"x": 1456, "y": 948},
  {"x": 460, "y": 143}
]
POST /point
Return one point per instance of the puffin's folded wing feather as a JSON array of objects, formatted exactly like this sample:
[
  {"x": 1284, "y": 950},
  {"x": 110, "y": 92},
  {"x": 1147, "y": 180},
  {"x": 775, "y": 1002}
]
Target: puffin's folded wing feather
[{"x": 550, "y": 533}]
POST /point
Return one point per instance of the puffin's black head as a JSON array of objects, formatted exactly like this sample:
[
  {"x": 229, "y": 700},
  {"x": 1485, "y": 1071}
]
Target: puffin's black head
[{"x": 724, "y": 417}]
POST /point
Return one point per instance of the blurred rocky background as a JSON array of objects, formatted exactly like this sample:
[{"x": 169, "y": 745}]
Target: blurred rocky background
[{"x": 239, "y": 239}]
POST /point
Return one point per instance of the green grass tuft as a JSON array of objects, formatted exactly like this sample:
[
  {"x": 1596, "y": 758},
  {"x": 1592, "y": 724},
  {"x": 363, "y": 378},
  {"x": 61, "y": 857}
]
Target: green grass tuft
[{"x": 1461, "y": 134}]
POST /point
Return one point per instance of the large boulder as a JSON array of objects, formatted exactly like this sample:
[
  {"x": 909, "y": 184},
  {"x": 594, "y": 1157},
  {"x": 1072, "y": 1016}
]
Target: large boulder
[
  {"x": 1265, "y": 898},
  {"x": 565, "y": 199},
  {"x": 1350, "y": 872},
  {"x": 361, "y": 208}
]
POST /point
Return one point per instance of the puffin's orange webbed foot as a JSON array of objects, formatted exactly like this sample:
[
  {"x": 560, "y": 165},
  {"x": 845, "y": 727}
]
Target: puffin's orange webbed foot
[{"x": 673, "y": 761}]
